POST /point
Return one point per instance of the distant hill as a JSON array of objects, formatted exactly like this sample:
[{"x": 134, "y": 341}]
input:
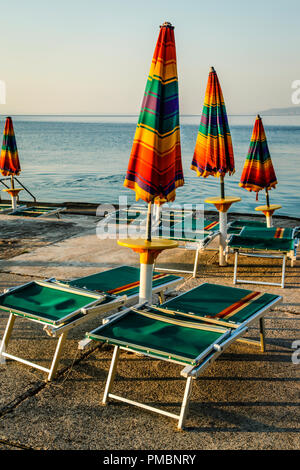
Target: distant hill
[{"x": 290, "y": 111}]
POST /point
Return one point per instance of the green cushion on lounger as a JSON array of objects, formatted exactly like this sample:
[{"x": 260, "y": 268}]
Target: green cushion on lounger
[
  {"x": 189, "y": 229},
  {"x": 119, "y": 281},
  {"x": 263, "y": 244},
  {"x": 247, "y": 223},
  {"x": 123, "y": 216},
  {"x": 158, "y": 337},
  {"x": 43, "y": 302},
  {"x": 220, "y": 302},
  {"x": 272, "y": 232},
  {"x": 4, "y": 207}
]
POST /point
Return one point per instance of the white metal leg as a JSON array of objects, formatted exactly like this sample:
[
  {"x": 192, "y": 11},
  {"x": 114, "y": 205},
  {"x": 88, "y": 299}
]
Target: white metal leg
[
  {"x": 235, "y": 266},
  {"x": 283, "y": 271},
  {"x": 111, "y": 374},
  {"x": 262, "y": 334},
  {"x": 223, "y": 238},
  {"x": 109, "y": 384},
  {"x": 6, "y": 337},
  {"x": 185, "y": 403},
  {"x": 196, "y": 263},
  {"x": 57, "y": 355}
]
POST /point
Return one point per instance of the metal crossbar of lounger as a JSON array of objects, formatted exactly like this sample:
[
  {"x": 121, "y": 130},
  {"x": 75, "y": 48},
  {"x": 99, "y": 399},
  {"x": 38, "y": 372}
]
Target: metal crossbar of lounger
[
  {"x": 7, "y": 208},
  {"x": 61, "y": 306},
  {"x": 262, "y": 244},
  {"x": 192, "y": 330},
  {"x": 37, "y": 211},
  {"x": 191, "y": 234}
]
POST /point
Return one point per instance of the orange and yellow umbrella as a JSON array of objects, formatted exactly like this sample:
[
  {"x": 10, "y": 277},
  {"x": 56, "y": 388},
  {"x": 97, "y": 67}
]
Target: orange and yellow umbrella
[
  {"x": 213, "y": 153},
  {"x": 9, "y": 158}
]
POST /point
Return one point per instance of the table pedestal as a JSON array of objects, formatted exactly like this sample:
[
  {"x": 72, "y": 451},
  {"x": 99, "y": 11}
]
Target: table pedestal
[
  {"x": 268, "y": 212},
  {"x": 222, "y": 205},
  {"x": 14, "y": 194},
  {"x": 148, "y": 250}
]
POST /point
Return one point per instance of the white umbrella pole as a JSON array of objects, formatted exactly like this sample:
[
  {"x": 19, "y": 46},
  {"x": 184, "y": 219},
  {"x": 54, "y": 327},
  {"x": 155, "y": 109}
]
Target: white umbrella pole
[
  {"x": 146, "y": 269},
  {"x": 149, "y": 223},
  {"x": 146, "y": 274},
  {"x": 13, "y": 197},
  {"x": 223, "y": 237},
  {"x": 223, "y": 227},
  {"x": 268, "y": 216}
]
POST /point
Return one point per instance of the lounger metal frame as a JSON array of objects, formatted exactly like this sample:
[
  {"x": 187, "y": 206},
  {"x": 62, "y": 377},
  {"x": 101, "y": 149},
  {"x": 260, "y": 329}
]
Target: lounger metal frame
[
  {"x": 56, "y": 211},
  {"x": 160, "y": 290},
  {"x": 189, "y": 372},
  {"x": 291, "y": 254},
  {"x": 57, "y": 329},
  {"x": 197, "y": 246},
  {"x": 61, "y": 328}
]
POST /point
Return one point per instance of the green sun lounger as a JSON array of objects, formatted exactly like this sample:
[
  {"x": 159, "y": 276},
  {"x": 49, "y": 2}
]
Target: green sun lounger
[
  {"x": 37, "y": 211},
  {"x": 191, "y": 233},
  {"x": 191, "y": 330},
  {"x": 125, "y": 280},
  {"x": 262, "y": 245},
  {"x": 61, "y": 306},
  {"x": 55, "y": 307}
]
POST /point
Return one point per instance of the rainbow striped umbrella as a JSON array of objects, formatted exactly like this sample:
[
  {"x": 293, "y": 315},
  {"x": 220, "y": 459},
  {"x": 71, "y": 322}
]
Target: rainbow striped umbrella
[
  {"x": 213, "y": 153},
  {"x": 258, "y": 172},
  {"x": 155, "y": 168},
  {"x": 9, "y": 158}
]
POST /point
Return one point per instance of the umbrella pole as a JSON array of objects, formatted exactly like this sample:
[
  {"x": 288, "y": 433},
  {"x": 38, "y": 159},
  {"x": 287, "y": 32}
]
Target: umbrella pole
[
  {"x": 146, "y": 266},
  {"x": 223, "y": 227},
  {"x": 268, "y": 214},
  {"x": 222, "y": 187},
  {"x": 13, "y": 196},
  {"x": 149, "y": 222}
]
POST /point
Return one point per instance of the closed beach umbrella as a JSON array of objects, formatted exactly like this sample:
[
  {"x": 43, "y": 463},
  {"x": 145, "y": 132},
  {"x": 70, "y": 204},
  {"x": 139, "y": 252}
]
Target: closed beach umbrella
[
  {"x": 213, "y": 154},
  {"x": 9, "y": 158},
  {"x": 155, "y": 167},
  {"x": 258, "y": 172}
]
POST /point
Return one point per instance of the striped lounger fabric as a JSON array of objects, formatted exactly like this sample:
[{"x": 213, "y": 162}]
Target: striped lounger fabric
[
  {"x": 59, "y": 306},
  {"x": 192, "y": 330}
]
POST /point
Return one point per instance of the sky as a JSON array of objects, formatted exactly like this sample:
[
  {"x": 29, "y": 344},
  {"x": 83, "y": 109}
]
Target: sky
[{"x": 93, "y": 56}]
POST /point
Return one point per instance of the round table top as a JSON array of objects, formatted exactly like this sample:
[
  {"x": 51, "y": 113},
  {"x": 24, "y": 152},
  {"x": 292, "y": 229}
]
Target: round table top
[
  {"x": 220, "y": 200},
  {"x": 141, "y": 243},
  {"x": 12, "y": 190},
  {"x": 271, "y": 207}
]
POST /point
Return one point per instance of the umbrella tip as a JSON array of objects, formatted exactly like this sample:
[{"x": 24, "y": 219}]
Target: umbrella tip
[{"x": 167, "y": 24}]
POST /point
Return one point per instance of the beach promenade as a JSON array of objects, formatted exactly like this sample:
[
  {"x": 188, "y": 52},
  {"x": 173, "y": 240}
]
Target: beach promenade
[{"x": 246, "y": 400}]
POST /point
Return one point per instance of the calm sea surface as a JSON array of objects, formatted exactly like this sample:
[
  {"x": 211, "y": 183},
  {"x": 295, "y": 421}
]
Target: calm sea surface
[{"x": 84, "y": 158}]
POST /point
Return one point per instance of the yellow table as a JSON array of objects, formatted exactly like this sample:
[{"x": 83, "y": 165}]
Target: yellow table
[
  {"x": 14, "y": 194},
  {"x": 148, "y": 250},
  {"x": 268, "y": 212},
  {"x": 222, "y": 205}
]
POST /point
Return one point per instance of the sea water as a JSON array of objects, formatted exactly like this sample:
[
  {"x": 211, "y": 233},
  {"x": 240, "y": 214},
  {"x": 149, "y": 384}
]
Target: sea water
[{"x": 85, "y": 158}]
